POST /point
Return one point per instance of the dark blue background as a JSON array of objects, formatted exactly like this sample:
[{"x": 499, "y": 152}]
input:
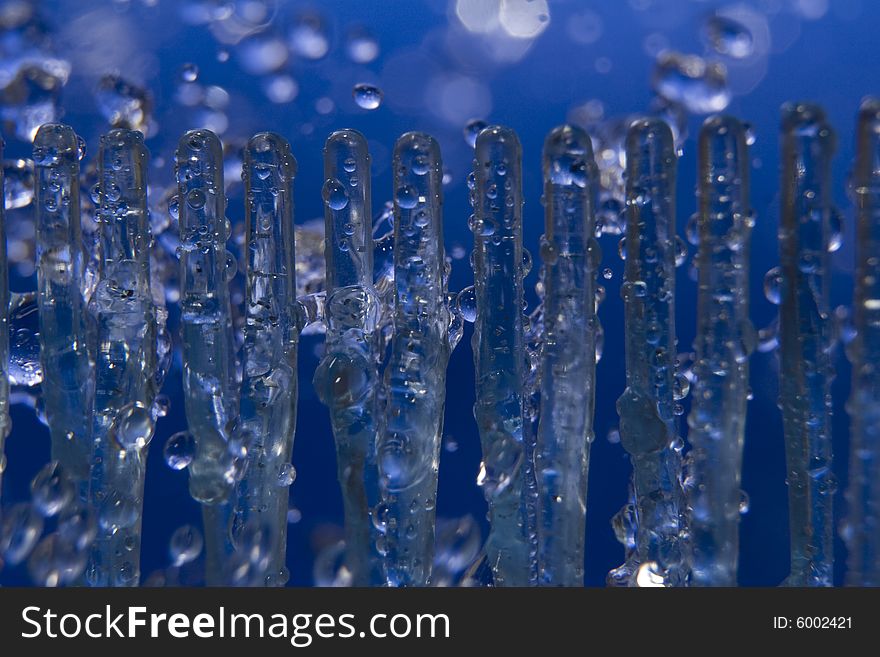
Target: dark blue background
[{"x": 830, "y": 60}]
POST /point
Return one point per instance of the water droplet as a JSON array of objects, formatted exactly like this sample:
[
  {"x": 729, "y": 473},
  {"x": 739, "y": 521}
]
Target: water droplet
[
  {"x": 472, "y": 129},
  {"x": 161, "y": 406},
  {"x": 308, "y": 36},
  {"x": 362, "y": 48},
  {"x": 133, "y": 426},
  {"x": 334, "y": 194},
  {"x": 196, "y": 199},
  {"x": 407, "y": 197},
  {"x": 185, "y": 545},
  {"x": 681, "y": 386},
  {"x": 773, "y": 286},
  {"x": 743, "y": 502},
  {"x": 681, "y": 251},
  {"x": 231, "y": 266},
  {"x": 729, "y": 37},
  {"x": 286, "y": 475},
  {"x": 118, "y": 511},
  {"x": 124, "y": 104},
  {"x": 19, "y": 183},
  {"x": 466, "y": 301},
  {"x": 77, "y": 526},
  {"x": 835, "y": 241},
  {"x": 189, "y": 72},
  {"x": 607, "y": 274},
  {"x": 51, "y": 490},
  {"x": 55, "y": 562},
  {"x": 691, "y": 81},
  {"x": 367, "y": 96},
  {"x": 180, "y": 450},
  {"x": 20, "y": 527}
]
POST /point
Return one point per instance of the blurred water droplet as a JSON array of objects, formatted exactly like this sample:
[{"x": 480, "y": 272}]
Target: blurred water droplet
[
  {"x": 185, "y": 545},
  {"x": 51, "y": 490},
  {"x": 19, "y": 183},
  {"x": 729, "y": 37},
  {"x": 308, "y": 36},
  {"x": 124, "y": 104},
  {"x": 20, "y": 527},
  {"x": 689, "y": 80},
  {"x": 361, "y": 47}
]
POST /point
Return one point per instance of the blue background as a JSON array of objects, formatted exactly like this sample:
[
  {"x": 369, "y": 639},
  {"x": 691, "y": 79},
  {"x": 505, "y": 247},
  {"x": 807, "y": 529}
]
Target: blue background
[{"x": 829, "y": 59}]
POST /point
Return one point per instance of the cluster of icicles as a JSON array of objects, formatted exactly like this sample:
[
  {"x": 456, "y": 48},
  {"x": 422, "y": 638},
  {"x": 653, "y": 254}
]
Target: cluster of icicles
[{"x": 105, "y": 351}]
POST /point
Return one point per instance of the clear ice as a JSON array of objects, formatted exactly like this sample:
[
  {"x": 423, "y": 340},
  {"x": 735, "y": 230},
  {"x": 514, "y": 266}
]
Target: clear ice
[
  {"x": 862, "y": 526},
  {"x": 67, "y": 355},
  {"x": 571, "y": 256},
  {"x": 347, "y": 377},
  {"x": 408, "y": 444},
  {"x": 210, "y": 375},
  {"x": 125, "y": 318},
  {"x": 808, "y": 144},
  {"x": 271, "y": 337},
  {"x": 652, "y": 527},
  {"x": 507, "y": 471}
]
